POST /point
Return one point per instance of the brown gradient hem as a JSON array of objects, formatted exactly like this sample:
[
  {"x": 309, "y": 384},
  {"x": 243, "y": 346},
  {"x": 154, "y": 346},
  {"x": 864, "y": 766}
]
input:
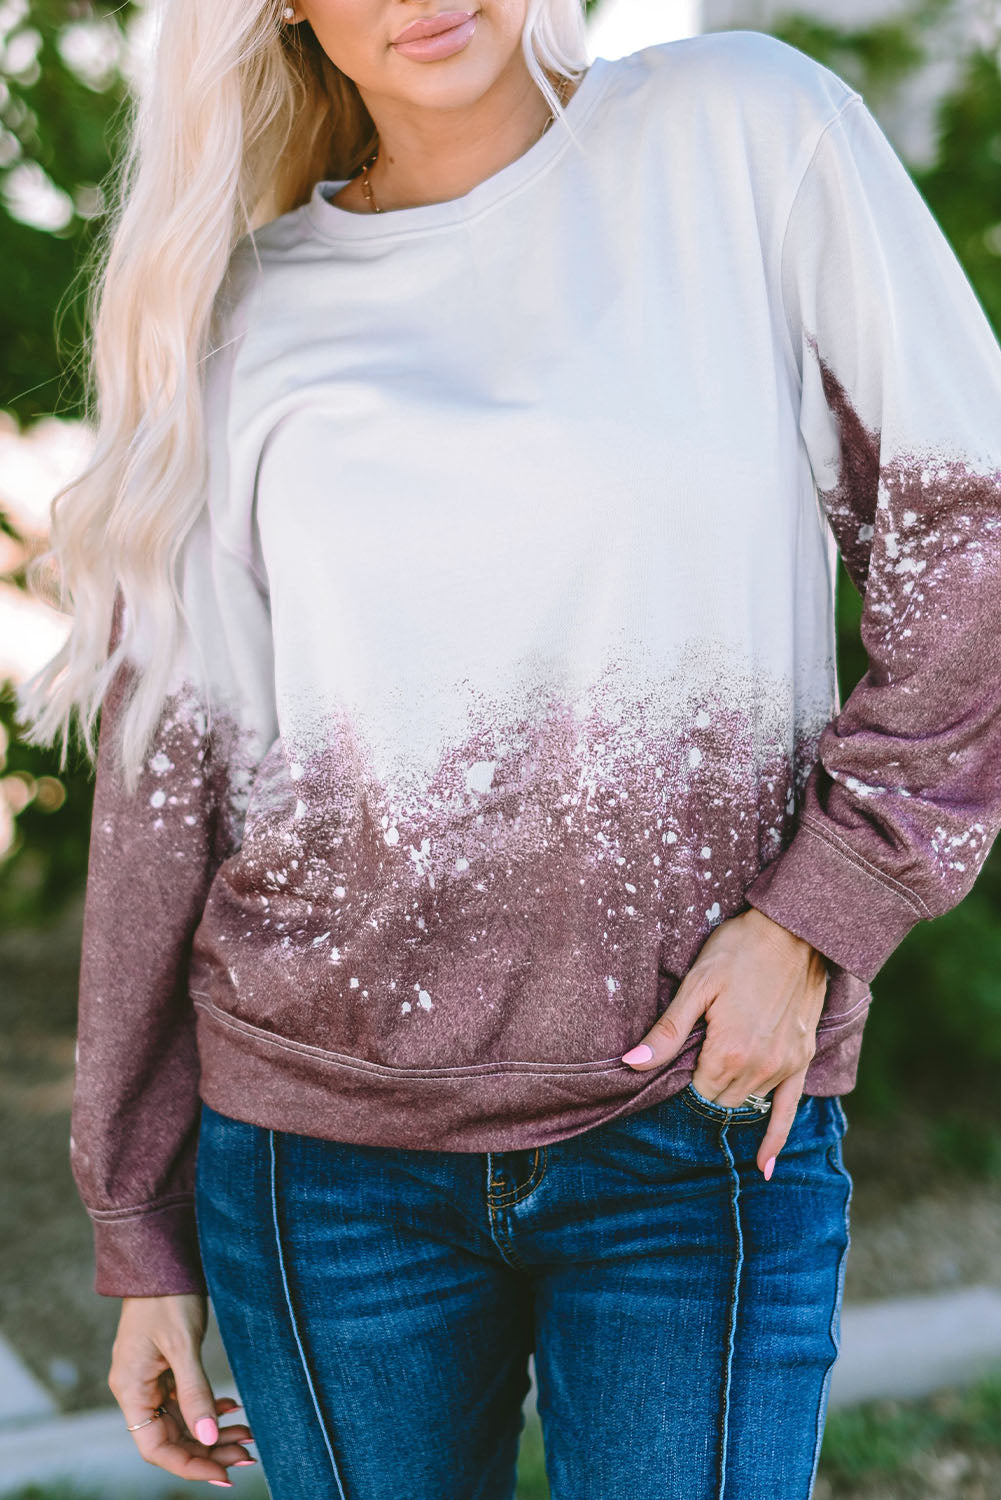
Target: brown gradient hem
[{"x": 499, "y": 1107}]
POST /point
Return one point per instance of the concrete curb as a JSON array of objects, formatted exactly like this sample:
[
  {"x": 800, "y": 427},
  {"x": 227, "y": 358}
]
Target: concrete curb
[
  {"x": 909, "y": 1346},
  {"x": 904, "y": 1347}
]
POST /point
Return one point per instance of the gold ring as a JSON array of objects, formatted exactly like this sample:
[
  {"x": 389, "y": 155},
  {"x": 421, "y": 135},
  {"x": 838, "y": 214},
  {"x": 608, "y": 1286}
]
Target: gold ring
[{"x": 160, "y": 1411}]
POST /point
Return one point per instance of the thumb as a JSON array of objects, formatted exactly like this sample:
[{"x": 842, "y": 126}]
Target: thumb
[
  {"x": 672, "y": 1026},
  {"x": 194, "y": 1396}
]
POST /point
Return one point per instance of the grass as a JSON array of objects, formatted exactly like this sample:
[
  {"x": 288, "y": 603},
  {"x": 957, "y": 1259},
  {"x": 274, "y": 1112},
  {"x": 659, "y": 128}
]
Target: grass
[
  {"x": 923, "y": 1449},
  {"x": 879, "y": 1448},
  {"x": 532, "y": 1483},
  {"x": 945, "y": 1446},
  {"x": 884, "y": 1440}
]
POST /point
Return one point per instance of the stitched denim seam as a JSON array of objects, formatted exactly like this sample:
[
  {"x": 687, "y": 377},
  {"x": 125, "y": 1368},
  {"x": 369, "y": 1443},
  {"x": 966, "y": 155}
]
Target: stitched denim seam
[
  {"x": 496, "y": 1197},
  {"x": 508, "y": 1197},
  {"x": 295, "y": 1326},
  {"x": 501, "y": 1236},
  {"x": 537, "y": 1173},
  {"x": 734, "y": 1299},
  {"x": 833, "y": 1153},
  {"x": 732, "y": 1117}
]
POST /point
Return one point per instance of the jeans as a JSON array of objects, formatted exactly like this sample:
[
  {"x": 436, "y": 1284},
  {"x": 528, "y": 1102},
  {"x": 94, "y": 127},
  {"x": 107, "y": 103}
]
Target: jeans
[{"x": 378, "y": 1305}]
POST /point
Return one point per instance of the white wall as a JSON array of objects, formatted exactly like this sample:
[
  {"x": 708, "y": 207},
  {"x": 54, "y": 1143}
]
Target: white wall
[{"x": 624, "y": 26}]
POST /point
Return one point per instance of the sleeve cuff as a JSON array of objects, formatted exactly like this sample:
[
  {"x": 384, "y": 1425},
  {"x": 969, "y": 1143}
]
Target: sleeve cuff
[
  {"x": 830, "y": 896},
  {"x": 149, "y": 1254}
]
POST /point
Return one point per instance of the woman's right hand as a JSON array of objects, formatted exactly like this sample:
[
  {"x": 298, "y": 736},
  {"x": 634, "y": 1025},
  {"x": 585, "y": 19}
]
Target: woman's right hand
[{"x": 156, "y": 1359}]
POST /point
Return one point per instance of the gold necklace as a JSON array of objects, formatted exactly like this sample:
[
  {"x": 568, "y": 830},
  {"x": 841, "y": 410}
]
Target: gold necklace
[{"x": 366, "y": 183}]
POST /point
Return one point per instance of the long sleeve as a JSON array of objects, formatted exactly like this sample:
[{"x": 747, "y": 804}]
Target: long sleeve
[
  {"x": 901, "y": 419},
  {"x": 152, "y": 859}
]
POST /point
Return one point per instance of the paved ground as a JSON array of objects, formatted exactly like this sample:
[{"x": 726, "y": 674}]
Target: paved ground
[{"x": 904, "y": 1347}]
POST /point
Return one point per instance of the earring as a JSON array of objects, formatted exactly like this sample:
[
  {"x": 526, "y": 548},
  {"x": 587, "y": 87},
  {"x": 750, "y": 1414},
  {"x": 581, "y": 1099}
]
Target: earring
[{"x": 288, "y": 12}]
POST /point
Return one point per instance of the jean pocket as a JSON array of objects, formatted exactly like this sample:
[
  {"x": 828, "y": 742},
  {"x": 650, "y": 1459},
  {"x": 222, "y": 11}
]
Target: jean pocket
[{"x": 733, "y": 1114}]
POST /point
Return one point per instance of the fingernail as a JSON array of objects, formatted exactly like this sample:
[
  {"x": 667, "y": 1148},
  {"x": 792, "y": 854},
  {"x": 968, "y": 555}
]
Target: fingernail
[
  {"x": 244, "y": 1461},
  {"x": 207, "y": 1432},
  {"x": 226, "y": 1483},
  {"x": 769, "y": 1167},
  {"x": 639, "y": 1054}
]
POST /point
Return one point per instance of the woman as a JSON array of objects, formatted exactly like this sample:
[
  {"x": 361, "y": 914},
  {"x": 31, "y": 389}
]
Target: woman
[{"x": 486, "y": 882}]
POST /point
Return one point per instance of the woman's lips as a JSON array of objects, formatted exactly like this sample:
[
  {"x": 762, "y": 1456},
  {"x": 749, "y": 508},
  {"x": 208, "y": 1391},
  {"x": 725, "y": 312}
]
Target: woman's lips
[{"x": 442, "y": 44}]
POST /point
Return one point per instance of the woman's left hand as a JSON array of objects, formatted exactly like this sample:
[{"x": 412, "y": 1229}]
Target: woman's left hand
[{"x": 762, "y": 989}]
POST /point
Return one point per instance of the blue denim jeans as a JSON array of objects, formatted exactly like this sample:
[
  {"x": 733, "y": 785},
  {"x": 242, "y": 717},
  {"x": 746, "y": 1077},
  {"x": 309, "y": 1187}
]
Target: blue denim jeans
[{"x": 378, "y": 1305}]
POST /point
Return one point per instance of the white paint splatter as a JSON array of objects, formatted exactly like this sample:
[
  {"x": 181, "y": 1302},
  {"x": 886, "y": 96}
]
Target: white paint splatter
[{"x": 480, "y": 775}]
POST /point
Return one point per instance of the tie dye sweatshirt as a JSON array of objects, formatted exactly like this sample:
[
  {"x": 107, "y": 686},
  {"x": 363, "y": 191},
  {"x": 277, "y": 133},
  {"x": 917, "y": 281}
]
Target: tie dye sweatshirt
[{"x": 508, "y": 668}]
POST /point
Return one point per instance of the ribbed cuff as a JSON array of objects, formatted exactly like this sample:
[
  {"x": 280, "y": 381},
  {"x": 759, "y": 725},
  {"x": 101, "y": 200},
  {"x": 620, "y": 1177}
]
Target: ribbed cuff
[
  {"x": 149, "y": 1254},
  {"x": 828, "y": 895}
]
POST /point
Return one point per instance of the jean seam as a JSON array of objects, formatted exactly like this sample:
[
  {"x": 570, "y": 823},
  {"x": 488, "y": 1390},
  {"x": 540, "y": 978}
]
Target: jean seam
[
  {"x": 538, "y": 1172},
  {"x": 502, "y": 1239},
  {"x": 294, "y": 1322},
  {"x": 734, "y": 1116},
  {"x": 734, "y": 1299},
  {"x": 509, "y": 1197},
  {"x": 834, "y": 1155}
]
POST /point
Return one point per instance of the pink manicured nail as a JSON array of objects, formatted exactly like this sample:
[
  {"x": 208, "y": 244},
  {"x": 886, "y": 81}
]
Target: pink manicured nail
[
  {"x": 769, "y": 1167},
  {"x": 244, "y": 1461},
  {"x": 639, "y": 1054},
  {"x": 226, "y": 1483},
  {"x": 207, "y": 1432}
]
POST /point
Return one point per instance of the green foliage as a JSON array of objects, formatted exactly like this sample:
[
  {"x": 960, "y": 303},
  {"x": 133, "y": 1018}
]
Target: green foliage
[
  {"x": 876, "y": 58},
  {"x": 532, "y": 1481},
  {"x": 934, "y": 1031},
  {"x": 67, "y": 1491},
  {"x": 62, "y": 121},
  {"x": 963, "y": 188}
]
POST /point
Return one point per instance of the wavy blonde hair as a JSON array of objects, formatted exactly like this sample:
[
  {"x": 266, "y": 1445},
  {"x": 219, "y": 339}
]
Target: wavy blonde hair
[{"x": 241, "y": 115}]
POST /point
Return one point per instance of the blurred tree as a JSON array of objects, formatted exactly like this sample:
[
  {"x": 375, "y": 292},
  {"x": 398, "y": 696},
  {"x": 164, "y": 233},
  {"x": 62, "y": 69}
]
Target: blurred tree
[
  {"x": 62, "y": 93},
  {"x": 934, "y": 1033}
]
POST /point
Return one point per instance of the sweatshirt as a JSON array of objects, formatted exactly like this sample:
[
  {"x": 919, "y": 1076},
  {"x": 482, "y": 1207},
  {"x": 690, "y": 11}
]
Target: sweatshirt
[{"x": 508, "y": 668}]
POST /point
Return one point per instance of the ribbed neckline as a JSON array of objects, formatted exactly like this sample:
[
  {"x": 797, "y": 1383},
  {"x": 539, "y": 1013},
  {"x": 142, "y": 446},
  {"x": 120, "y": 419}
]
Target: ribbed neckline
[{"x": 335, "y": 223}]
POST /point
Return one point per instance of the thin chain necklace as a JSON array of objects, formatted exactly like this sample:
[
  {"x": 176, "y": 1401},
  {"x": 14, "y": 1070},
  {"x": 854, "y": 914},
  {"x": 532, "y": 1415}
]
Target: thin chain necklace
[{"x": 371, "y": 161}]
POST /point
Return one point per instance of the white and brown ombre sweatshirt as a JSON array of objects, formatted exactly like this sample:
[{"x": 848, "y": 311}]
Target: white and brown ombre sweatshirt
[{"x": 514, "y": 588}]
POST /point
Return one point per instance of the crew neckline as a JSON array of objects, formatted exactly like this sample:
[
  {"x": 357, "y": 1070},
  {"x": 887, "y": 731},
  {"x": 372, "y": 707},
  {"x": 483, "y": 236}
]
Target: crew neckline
[{"x": 336, "y": 223}]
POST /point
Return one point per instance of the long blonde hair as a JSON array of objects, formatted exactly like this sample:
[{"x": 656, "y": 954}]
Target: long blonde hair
[{"x": 241, "y": 115}]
